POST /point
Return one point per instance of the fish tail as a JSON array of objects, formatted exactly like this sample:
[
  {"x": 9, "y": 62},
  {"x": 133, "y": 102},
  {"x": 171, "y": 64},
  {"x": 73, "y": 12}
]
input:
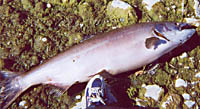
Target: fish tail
[{"x": 9, "y": 88}]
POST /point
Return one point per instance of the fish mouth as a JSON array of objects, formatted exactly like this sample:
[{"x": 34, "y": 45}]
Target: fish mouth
[{"x": 183, "y": 26}]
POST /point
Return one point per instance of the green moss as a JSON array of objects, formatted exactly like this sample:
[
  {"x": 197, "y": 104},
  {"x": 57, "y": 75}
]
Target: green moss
[{"x": 162, "y": 78}]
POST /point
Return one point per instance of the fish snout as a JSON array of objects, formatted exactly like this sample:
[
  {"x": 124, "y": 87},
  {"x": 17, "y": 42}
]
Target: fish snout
[
  {"x": 187, "y": 31},
  {"x": 183, "y": 26}
]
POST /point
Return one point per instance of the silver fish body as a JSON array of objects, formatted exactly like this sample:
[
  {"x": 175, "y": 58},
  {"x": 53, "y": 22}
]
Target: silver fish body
[{"x": 117, "y": 51}]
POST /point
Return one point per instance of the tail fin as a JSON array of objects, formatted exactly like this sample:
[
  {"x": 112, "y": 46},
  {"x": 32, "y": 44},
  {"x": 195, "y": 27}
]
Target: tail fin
[{"x": 9, "y": 88}]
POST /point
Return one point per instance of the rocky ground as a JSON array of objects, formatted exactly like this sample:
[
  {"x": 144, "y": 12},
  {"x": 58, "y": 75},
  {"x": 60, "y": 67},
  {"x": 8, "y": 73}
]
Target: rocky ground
[{"x": 33, "y": 31}]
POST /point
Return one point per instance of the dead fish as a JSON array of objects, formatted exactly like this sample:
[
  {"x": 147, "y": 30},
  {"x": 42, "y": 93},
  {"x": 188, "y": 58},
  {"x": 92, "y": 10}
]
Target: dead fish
[{"x": 117, "y": 51}]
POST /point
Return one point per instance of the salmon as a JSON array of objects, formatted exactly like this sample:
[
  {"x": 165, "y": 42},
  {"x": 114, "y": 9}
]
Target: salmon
[{"x": 117, "y": 51}]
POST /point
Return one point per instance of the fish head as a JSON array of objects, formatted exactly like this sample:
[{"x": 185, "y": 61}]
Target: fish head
[
  {"x": 177, "y": 33},
  {"x": 168, "y": 35}
]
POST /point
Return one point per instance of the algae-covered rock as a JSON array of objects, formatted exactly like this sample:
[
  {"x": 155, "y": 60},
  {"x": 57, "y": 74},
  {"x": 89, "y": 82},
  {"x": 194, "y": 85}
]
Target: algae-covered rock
[
  {"x": 151, "y": 94},
  {"x": 171, "y": 101},
  {"x": 40, "y": 43},
  {"x": 39, "y": 7},
  {"x": 4, "y": 53},
  {"x": 74, "y": 37},
  {"x": 27, "y": 4},
  {"x": 121, "y": 11},
  {"x": 162, "y": 78},
  {"x": 85, "y": 11},
  {"x": 5, "y": 10}
]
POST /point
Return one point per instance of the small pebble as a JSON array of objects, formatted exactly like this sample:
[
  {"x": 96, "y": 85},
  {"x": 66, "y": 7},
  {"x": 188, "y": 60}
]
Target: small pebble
[
  {"x": 44, "y": 39},
  {"x": 184, "y": 55},
  {"x": 81, "y": 25},
  {"x": 189, "y": 103},
  {"x": 153, "y": 91},
  {"x": 197, "y": 75},
  {"x": 48, "y": 5},
  {"x": 186, "y": 96},
  {"x": 180, "y": 82},
  {"x": 24, "y": 104},
  {"x": 78, "y": 97}
]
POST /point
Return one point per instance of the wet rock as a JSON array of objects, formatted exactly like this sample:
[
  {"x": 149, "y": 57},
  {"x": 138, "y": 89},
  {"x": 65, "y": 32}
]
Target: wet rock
[{"x": 153, "y": 91}]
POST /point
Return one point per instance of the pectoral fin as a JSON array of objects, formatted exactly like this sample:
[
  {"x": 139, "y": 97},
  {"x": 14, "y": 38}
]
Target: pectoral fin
[
  {"x": 154, "y": 42},
  {"x": 151, "y": 42}
]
